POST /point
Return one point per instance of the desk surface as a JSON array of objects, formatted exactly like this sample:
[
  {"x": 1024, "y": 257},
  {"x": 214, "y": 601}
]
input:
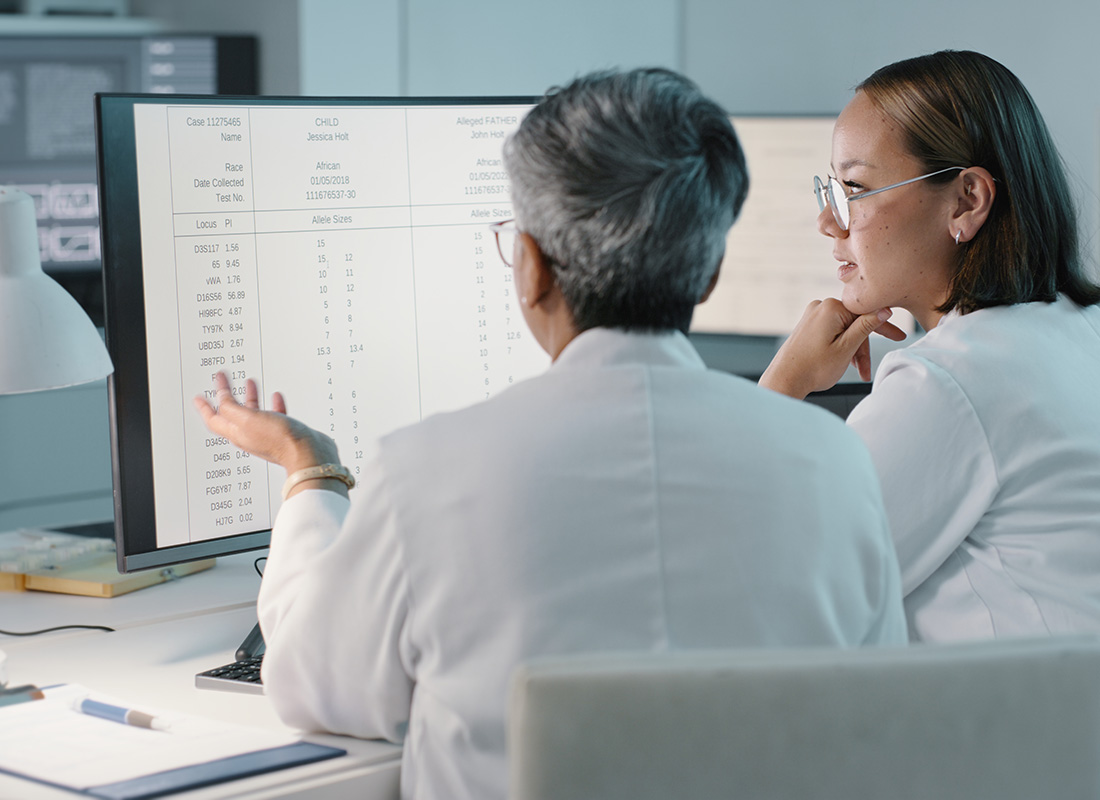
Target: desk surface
[
  {"x": 164, "y": 634},
  {"x": 232, "y": 583}
]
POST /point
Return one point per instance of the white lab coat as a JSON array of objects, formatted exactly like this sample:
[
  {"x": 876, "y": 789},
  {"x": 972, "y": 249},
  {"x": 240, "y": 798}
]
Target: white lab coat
[
  {"x": 627, "y": 499},
  {"x": 986, "y": 436}
]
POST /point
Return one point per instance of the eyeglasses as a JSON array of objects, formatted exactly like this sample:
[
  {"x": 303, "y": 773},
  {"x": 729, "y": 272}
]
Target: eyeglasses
[
  {"x": 831, "y": 193},
  {"x": 505, "y": 233}
]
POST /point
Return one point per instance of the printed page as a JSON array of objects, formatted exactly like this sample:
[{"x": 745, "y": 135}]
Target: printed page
[{"x": 50, "y": 740}]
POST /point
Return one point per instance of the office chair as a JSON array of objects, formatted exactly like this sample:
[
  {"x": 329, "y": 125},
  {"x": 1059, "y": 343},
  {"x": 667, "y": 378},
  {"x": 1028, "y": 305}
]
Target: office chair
[{"x": 1011, "y": 720}]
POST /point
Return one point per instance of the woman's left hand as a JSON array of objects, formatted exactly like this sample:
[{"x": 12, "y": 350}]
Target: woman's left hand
[{"x": 826, "y": 340}]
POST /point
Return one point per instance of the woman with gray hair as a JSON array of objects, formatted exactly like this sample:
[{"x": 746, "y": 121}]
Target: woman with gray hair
[
  {"x": 627, "y": 499},
  {"x": 629, "y": 185}
]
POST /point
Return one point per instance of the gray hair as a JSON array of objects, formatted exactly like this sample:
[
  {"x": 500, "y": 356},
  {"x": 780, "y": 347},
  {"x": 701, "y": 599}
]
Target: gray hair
[{"x": 629, "y": 183}]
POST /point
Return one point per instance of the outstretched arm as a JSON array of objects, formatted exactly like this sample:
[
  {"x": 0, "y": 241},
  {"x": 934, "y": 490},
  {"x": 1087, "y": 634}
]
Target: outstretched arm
[{"x": 271, "y": 435}]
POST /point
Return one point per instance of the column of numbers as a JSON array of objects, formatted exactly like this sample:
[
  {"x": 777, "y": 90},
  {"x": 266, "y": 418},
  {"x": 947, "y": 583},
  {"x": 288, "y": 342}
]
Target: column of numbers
[
  {"x": 214, "y": 278},
  {"x": 508, "y": 331},
  {"x": 355, "y": 353},
  {"x": 480, "y": 287},
  {"x": 516, "y": 335},
  {"x": 242, "y": 344},
  {"x": 341, "y": 347},
  {"x": 326, "y": 346}
]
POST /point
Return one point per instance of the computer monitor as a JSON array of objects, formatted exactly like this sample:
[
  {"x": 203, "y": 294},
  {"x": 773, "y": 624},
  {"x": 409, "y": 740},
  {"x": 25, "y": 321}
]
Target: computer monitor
[
  {"x": 776, "y": 261},
  {"x": 47, "y": 136},
  {"x": 336, "y": 250},
  {"x": 842, "y": 398}
]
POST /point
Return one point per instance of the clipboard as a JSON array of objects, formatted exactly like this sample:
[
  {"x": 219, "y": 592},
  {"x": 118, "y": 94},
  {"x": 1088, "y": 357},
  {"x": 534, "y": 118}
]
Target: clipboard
[
  {"x": 212, "y": 772},
  {"x": 47, "y": 740}
]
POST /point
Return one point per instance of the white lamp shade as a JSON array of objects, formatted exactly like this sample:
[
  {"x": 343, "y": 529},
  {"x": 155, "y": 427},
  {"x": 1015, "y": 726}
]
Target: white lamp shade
[{"x": 46, "y": 339}]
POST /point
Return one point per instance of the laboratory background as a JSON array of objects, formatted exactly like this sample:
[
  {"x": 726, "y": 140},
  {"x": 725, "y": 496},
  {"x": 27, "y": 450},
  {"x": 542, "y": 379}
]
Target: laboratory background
[{"x": 780, "y": 58}]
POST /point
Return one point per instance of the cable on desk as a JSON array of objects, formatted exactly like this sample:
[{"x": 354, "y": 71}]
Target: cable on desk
[
  {"x": 57, "y": 628},
  {"x": 256, "y": 565}
]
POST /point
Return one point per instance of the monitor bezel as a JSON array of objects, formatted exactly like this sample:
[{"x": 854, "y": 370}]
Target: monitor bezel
[
  {"x": 236, "y": 59},
  {"x": 125, "y": 333}
]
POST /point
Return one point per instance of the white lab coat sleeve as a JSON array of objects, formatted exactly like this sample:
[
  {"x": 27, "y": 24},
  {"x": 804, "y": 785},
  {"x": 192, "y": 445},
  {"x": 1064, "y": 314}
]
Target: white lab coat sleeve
[
  {"x": 889, "y": 627},
  {"x": 933, "y": 458},
  {"x": 333, "y": 607}
]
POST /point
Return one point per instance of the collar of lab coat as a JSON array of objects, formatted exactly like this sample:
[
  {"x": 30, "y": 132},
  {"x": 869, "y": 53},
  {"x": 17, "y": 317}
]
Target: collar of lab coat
[
  {"x": 609, "y": 347},
  {"x": 955, "y": 320}
]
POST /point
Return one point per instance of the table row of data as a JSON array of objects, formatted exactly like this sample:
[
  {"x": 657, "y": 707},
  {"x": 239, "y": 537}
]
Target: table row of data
[{"x": 266, "y": 220}]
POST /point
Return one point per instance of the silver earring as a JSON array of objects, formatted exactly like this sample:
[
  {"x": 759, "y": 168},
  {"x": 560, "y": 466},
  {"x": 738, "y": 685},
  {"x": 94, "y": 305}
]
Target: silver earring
[
  {"x": 523, "y": 300},
  {"x": 958, "y": 233}
]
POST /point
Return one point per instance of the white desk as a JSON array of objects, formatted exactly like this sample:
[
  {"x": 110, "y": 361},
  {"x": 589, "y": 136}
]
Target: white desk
[{"x": 164, "y": 635}]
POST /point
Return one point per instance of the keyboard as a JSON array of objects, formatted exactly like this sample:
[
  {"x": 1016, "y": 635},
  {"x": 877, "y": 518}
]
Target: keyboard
[{"x": 240, "y": 676}]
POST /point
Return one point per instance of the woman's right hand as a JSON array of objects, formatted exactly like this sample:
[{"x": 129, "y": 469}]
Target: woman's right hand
[
  {"x": 825, "y": 341},
  {"x": 271, "y": 435}
]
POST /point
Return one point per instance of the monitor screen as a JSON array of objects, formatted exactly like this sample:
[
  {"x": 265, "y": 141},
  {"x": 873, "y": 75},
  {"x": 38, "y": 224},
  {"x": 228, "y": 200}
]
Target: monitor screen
[
  {"x": 47, "y": 136},
  {"x": 776, "y": 261},
  {"x": 336, "y": 250}
]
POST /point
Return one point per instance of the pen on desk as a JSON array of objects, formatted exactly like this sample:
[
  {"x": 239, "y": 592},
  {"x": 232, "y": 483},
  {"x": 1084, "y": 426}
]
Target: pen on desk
[
  {"x": 20, "y": 694},
  {"x": 127, "y": 716}
]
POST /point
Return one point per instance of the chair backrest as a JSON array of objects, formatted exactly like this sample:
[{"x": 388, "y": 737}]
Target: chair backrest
[{"x": 1004, "y": 719}]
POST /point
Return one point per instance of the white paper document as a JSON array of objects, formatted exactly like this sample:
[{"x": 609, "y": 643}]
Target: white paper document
[{"x": 50, "y": 740}]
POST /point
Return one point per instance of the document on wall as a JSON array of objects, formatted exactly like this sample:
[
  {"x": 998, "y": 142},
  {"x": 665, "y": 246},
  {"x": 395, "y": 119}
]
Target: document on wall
[{"x": 70, "y": 737}]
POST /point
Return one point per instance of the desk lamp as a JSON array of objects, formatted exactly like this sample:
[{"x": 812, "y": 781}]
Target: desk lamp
[{"x": 46, "y": 339}]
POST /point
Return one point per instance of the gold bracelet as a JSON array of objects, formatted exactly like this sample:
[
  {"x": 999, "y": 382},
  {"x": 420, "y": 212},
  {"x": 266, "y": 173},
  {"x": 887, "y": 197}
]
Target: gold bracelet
[{"x": 335, "y": 471}]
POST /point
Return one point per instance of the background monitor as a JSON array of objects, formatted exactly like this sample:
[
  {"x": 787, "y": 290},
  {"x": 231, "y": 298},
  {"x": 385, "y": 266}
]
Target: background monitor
[
  {"x": 336, "y": 250},
  {"x": 842, "y": 398},
  {"x": 776, "y": 261},
  {"x": 47, "y": 135}
]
